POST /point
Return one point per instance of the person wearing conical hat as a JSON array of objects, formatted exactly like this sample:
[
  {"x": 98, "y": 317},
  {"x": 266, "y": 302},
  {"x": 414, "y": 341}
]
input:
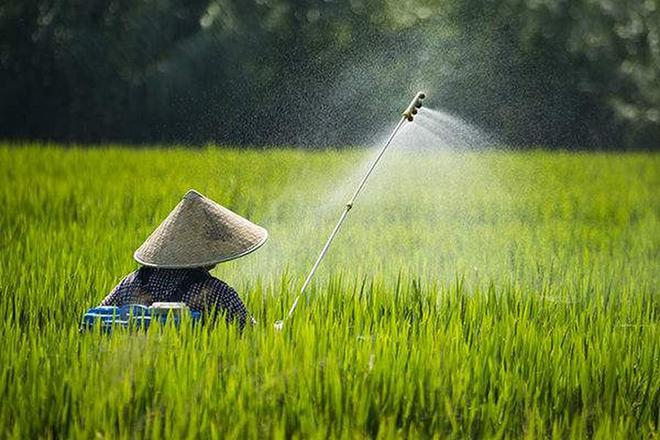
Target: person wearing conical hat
[{"x": 176, "y": 259}]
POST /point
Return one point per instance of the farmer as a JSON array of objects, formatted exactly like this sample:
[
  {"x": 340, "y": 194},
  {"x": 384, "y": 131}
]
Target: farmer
[{"x": 178, "y": 255}]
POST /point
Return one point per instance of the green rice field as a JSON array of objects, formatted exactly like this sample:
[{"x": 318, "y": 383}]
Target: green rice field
[{"x": 492, "y": 294}]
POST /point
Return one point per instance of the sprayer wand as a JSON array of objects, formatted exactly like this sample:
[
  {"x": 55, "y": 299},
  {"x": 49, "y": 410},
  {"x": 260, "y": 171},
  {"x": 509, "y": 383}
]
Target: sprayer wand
[{"x": 407, "y": 115}]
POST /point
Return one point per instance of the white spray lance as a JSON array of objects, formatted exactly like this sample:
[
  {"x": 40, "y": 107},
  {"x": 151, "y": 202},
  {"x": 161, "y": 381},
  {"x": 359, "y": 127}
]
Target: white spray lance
[{"x": 407, "y": 115}]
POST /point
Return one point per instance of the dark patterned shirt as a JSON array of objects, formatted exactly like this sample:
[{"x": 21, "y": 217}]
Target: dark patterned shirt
[{"x": 206, "y": 294}]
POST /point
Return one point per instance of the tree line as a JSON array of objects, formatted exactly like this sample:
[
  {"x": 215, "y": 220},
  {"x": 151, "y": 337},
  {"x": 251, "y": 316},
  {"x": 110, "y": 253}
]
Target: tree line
[{"x": 556, "y": 73}]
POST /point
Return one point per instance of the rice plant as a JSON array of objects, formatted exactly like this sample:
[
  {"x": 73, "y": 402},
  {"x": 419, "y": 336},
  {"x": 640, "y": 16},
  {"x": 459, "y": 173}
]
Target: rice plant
[{"x": 482, "y": 294}]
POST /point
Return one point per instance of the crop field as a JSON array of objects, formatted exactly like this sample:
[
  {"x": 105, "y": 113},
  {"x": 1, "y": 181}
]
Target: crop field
[{"x": 492, "y": 294}]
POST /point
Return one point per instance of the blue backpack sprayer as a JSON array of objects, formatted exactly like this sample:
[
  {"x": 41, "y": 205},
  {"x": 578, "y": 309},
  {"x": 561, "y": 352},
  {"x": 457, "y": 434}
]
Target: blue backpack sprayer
[{"x": 141, "y": 316}]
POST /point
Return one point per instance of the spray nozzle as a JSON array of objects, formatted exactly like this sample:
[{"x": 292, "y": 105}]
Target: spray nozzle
[{"x": 415, "y": 104}]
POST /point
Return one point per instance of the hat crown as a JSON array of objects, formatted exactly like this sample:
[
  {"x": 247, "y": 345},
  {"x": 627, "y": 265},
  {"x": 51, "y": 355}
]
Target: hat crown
[
  {"x": 199, "y": 232},
  {"x": 192, "y": 194}
]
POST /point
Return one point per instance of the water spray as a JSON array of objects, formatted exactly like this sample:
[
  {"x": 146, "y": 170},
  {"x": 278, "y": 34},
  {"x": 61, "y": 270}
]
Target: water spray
[{"x": 407, "y": 115}]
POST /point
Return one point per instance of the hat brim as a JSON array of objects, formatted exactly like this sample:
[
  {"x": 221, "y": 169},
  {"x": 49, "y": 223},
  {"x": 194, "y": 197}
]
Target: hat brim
[{"x": 207, "y": 263}]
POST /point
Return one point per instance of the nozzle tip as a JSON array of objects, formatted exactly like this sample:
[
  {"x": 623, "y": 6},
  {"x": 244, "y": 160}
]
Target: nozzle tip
[{"x": 421, "y": 95}]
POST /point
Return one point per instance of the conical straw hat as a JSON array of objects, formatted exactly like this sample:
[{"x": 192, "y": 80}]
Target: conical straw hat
[{"x": 197, "y": 233}]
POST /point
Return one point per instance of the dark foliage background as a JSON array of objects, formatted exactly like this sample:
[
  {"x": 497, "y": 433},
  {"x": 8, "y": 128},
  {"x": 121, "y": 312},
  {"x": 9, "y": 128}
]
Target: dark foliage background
[{"x": 567, "y": 73}]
